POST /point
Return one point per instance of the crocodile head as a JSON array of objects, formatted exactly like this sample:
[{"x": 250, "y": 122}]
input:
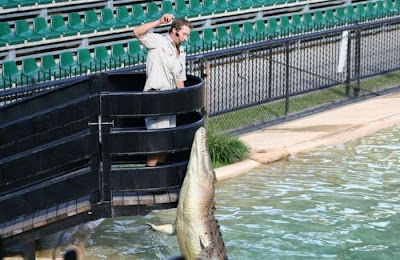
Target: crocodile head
[{"x": 200, "y": 168}]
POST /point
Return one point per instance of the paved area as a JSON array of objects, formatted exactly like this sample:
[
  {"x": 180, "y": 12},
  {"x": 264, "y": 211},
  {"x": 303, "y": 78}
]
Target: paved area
[{"x": 327, "y": 128}]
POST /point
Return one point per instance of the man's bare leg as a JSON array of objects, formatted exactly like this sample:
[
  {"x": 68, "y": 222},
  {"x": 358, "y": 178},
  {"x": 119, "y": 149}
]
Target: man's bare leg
[{"x": 153, "y": 159}]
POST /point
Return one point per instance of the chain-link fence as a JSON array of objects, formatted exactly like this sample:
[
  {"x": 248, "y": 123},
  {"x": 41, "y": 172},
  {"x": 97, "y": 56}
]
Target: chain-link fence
[{"x": 257, "y": 85}]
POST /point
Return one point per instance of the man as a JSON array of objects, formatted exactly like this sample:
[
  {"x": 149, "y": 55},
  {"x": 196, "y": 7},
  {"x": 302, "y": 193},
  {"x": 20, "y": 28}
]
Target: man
[{"x": 165, "y": 66}]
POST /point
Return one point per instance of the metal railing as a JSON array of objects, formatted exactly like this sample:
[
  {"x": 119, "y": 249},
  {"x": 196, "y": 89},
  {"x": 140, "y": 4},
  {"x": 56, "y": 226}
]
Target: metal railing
[
  {"x": 265, "y": 82},
  {"x": 268, "y": 82}
]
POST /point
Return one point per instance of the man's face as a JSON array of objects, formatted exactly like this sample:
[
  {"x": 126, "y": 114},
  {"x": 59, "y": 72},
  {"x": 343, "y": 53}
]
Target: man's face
[{"x": 181, "y": 35}]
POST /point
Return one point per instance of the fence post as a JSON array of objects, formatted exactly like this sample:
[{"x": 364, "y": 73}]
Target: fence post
[
  {"x": 207, "y": 84},
  {"x": 270, "y": 73},
  {"x": 287, "y": 94},
  {"x": 348, "y": 66},
  {"x": 357, "y": 62}
]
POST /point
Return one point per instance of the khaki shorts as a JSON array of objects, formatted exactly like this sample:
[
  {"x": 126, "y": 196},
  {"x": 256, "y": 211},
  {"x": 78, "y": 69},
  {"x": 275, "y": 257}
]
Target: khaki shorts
[{"x": 158, "y": 122}]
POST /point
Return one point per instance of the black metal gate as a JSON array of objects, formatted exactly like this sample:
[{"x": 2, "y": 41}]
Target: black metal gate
[{"x": 77, "y": 153}]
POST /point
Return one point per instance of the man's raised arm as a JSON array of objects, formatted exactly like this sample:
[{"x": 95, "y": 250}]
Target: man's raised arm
[{"x": 141, "y": 30}]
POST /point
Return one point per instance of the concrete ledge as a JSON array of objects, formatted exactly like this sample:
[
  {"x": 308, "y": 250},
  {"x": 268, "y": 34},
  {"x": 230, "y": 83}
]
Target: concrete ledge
[
  {"x": 235, "y": 169},
  {"x": 269, "y": 155},
  {"x": 345, "y": 135}
]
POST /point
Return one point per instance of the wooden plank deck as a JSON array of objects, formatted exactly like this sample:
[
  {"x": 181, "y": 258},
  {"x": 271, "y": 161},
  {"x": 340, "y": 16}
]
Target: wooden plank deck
[
  {"x": 43, "y": 217},
  {"x": 80, "y": 205}
]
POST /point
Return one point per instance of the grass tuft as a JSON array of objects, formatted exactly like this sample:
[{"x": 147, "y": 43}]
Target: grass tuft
[{"x": 225, "y": 149}]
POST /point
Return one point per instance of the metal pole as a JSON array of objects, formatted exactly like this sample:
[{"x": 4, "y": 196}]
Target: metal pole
[
  {"x": 348, "y": 66},
  {"x": 270, "y": 73},
  {"x": 357, "y": 62},
  {"x": 207, "y": 89},
  {"x": 287, "y": 79}
]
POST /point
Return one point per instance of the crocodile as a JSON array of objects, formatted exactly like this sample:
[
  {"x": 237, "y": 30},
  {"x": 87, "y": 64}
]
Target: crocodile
[{"x": 195, "y": 225}]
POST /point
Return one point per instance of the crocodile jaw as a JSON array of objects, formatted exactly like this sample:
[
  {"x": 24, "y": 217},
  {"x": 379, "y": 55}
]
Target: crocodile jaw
[{"x": 196, "y": 198}]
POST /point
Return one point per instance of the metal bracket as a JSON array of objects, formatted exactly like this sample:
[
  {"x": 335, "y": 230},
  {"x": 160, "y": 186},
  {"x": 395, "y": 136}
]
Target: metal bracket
[{"x": 103, "y": 123}]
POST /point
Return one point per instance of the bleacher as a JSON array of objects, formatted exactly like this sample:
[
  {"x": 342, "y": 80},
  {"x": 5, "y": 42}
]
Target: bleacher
[{"x": 79, "y": 37}]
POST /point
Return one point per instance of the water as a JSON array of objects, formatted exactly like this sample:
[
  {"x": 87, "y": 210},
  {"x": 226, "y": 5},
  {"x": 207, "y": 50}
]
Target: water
[{"x": 340, "y": 202}]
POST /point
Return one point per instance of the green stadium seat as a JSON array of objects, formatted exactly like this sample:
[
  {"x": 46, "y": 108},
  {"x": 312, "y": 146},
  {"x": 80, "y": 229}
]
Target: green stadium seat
[
  {"x": 69, "y": 66},
  {"x": 31, "y": 70},
  {"x": 380, "y": 8},
  {"x": 182, "y": 9},
  {"x": 308, "y": 22},
  {"x": 390, "y": 8},
  {"x": 195, "y": 43},
  {"x": 209, "y": 39},
  {"x": 223, "y": 37},
  {"x": 123, "y": 16},
  {"x": 135, "y": 52},
  {"x": 8, "y": 36},
  {"x": 101, "y": 57},
  {"x": 362, "y": 12},
  {"x": 351, "y": 14},
  {"x": 91, "y": 20},
  {"x": 370, "y": 10},
  {"x": 261, "y": 30},
  {"x": 139, "y": 14},
  {"x": 210, "y": 8},
  {"x": 22, "y": 30},
  {"x": 57, "y": 24},
  {"x": 25, "y": 2},
  {"x": 235, "y": 33},
  {"x": 246, "y": 4},
  {"x": 2, "y": 43},
  {"x": 319, "y": 20},
  {"x": 330, "y": 18},
  {"x": 85, "y": 60},
  {"x": 260, "y": 3},
  {"x": 50, "y": 68},
  {"x": 75, "y": 22},
  {"x": 286, "y": 26},
  {"x": 236, "y": 5},
  {"x": 223, "y": 6},
  {"x": 107, "y": 17},
  {"x": 341, "y": 15},
  {"x": 41, "y": 27},
  {"x": 11, "y": 72},
  {"x": 6, "y": 4},
  {"x": 168, "y": 8},
  {"x": 249, "y": 34},
  {"x": 296, "y": 23},
  {"x": 195, "y": 7},
  {"x": 153, "y": 12},
  {"x": 119, "y": 55},
  {"x": 273, "y": 27}
]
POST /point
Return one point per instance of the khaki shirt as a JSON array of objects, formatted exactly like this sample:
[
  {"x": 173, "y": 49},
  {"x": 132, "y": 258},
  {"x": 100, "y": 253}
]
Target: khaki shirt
[{"x": 163, "y": 67}]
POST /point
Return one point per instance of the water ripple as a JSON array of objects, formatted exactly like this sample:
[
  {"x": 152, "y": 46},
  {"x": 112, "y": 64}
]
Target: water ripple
[{"x": 340, "y": 202}]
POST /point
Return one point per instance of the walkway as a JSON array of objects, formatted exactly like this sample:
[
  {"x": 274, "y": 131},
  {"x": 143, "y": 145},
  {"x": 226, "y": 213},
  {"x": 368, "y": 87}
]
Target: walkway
[{"x": 328, "y": 128}]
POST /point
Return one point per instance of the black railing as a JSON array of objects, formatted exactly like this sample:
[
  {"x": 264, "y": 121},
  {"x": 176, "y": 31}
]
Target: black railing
[
  {"x": 271, "y": 81},
  {"x": 308, "y": 72}
]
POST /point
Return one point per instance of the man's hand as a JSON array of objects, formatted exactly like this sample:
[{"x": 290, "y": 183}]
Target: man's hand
[
  {"x": 166, "y": 18},
  {"x": 141, "y": 30}
]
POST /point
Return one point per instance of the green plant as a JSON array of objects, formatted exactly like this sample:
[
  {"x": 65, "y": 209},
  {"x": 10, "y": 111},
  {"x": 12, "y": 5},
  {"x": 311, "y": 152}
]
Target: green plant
[{"x": 225, "y": 149}]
